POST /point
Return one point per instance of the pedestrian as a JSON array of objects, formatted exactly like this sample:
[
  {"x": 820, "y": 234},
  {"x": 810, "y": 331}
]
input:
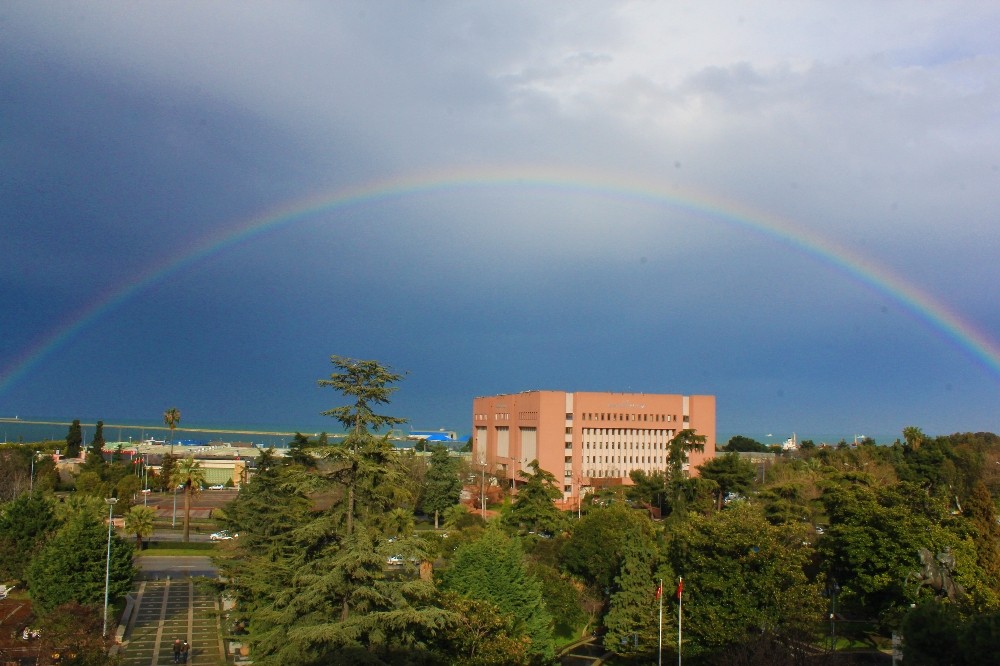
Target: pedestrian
[
  {"x": 184, "y": 652},
  {"x": 177, "y": 650}
]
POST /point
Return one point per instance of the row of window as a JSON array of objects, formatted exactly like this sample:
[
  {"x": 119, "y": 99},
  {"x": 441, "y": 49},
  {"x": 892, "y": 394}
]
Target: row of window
[
  {"x": 619, "y": 416},
  {"x": 628, "y": 432},
  {"x": 638, "y": 460},
  {"x": 660, "y": 446}
]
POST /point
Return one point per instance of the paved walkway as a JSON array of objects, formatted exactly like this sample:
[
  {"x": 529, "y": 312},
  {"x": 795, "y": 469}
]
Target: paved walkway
[{"x": 169, "y": 609}]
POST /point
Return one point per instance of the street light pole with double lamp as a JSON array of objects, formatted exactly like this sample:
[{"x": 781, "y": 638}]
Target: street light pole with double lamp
[{"x": 107, "y": 567}]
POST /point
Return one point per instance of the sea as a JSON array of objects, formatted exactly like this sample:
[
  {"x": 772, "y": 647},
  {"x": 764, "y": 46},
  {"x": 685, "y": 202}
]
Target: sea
[{"x": 36, "y": 429}]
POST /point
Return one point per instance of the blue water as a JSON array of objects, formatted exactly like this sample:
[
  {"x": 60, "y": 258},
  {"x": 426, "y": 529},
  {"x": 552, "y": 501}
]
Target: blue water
[
  {"x": 36, "y": 429},
  {"x": 123, "y": 430}
]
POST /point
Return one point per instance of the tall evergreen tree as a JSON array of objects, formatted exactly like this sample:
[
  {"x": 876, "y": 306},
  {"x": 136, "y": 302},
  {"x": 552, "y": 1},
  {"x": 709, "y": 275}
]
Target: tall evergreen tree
[
  {"x": 25, "y": 524},
  {"x": 492, "y": 569},
  {"x": 166, "y": 476},
  {"x": 298, "y": 451},
  {"x": 444, "y": 488},
  {"x": 342, "y": 603},
  {"x": 71, "y": 566},
  {"x": 370, "y": 384},
  {"x": 96, "y": 447},
  {"x": 74, "y": 440},
  {"x": 533, "y": 509},
  {"x": 681, "y": 445},
  {"x": 633, "y": 618}
]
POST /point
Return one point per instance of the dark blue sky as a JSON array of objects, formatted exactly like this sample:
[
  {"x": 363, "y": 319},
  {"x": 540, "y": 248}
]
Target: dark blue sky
[{"x": 791, "y": 208}]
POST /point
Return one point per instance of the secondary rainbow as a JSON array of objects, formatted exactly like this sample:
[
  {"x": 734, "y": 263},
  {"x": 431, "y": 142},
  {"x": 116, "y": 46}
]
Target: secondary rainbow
[{"x": 920, "y": 304}]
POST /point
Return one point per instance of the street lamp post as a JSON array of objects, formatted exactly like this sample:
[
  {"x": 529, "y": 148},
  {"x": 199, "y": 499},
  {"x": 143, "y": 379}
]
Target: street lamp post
[
  {"x": 832, "y": 588},
  {"x": 31, "y": 482},
  {"x": 173, "y": 518},
  {"x": 482, "y": 487},
  {"x": 107, "y": 566}
]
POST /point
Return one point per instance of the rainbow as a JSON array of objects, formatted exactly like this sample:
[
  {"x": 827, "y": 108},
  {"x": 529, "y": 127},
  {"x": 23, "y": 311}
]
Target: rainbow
[{"x": 920, "y": 304}]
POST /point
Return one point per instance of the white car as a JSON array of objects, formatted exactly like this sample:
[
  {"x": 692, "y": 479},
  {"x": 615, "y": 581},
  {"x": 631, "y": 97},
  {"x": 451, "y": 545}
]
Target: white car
[
  {"x": 394, "y": 560},
  {"x": 222, "y": 536},
  {"x": 217, "y": 486}
]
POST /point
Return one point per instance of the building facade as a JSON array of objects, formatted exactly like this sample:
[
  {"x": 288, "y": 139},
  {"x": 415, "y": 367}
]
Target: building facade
[{"x": 586, "y": 440}]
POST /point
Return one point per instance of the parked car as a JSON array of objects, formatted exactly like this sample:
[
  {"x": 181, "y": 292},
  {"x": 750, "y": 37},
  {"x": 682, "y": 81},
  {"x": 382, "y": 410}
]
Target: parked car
[
  {"x": 217, "y": 486},
  {"x": 222, "y": 535},
  {"x": 394, "y": 560}
]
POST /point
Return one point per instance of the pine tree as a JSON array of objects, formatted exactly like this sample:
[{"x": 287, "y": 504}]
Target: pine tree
[
  {"x": 492, "y": 569},
  {"x": 533, "y": 509},
  {"x": 74, "y": 440},
  {"x": 25, "y": 524},
  {"x": 71, "y": 566},
  {"x": 444, "y": 488},
  {"x": 96, "y": 447},
  {"x": 632, "y": 621},
  {"x": 298, "y": 453}
]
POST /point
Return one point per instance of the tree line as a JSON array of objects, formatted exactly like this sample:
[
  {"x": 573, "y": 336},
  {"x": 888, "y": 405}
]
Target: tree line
[{"x": 816, "y": 555}]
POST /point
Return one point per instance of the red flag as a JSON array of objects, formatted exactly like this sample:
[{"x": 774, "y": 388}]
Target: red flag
[
  {"x": 680, "y": 587},
  {"x": 659, "y": 590}
]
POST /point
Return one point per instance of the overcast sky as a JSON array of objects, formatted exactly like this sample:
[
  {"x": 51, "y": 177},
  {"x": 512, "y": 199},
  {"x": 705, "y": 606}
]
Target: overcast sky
[{"x": 791, "y": 206}]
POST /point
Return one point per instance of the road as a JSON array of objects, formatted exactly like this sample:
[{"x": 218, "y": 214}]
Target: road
[{"x": 156, "y": 567}]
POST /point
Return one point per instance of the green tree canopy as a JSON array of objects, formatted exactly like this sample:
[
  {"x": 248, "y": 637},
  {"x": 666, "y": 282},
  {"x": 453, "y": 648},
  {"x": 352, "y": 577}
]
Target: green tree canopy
[
  {"x": 165, "y": 479},
  {"x": 71, "y": 566},
  {"x": 492, "y": 569},
  {"x": 25, "y": 524},
  {"x": 730, "y": 472},
  {"x": 683, "y": 443},
  {"x": 740, "y": 443},
  {"x": 632, "y": 619},
  {"x": 139, "y": 521},
  {"x": 74, "y": 440},
  {"x": 532, "y": 509},
  {"x": 298, "y": 451},
  {"x": 188, "y": 473},
  {"x": 96, "y": 447},
  {"x": 479, "y": 635},
  {"x": 443, "y": 487},
  {"x": 744, "y": 575},
  {"x": 369, "y": 383},
  {"x": 873, "y": 544},
  {"x": 596, "y": 547}
]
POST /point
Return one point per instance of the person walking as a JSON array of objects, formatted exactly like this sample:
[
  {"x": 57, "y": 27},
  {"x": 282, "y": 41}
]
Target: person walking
[
  {"x": 177, "y": 650},
  {"x": 184, "y": 652}
]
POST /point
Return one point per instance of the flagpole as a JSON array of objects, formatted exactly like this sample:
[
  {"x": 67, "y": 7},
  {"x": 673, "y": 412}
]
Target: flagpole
[
  {"x": 680, "y": 616},
  {"x": 659, "y": 652}
]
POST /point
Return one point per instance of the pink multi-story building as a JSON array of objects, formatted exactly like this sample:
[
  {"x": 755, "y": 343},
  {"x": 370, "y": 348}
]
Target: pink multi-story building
[{"x": 584, "y": 439}]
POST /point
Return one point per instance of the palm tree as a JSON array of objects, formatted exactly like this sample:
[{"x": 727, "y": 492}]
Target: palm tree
[
  {"x": 139, "y": 521},
  {"x": 190, "y": 474},
  {"x": 171, "y": 418}
]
